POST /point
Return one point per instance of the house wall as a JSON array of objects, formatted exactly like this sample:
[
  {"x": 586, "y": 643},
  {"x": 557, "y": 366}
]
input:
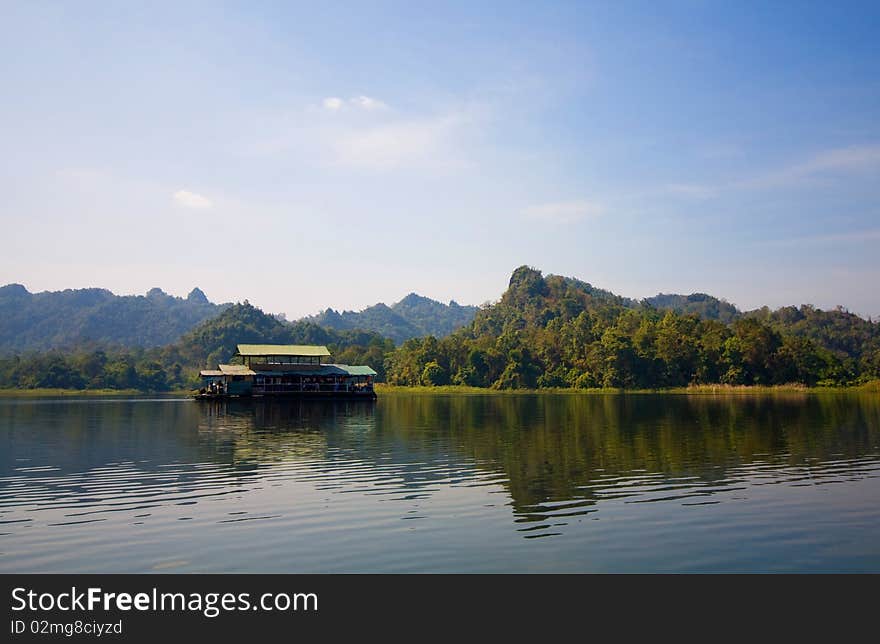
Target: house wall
[{"x": 240, "y": 385}]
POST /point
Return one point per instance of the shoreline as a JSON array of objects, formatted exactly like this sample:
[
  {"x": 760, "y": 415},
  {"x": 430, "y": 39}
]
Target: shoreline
[
  {"x": 869, "y": 387},
  {"x": 89, "y": 393},
  {"x": 382, "y": 388}
]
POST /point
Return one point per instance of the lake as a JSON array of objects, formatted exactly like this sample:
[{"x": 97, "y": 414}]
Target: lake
[{"x": 443, "y": 483}]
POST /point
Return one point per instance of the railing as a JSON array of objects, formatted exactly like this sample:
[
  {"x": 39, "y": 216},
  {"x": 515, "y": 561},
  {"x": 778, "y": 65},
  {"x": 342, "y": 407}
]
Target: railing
[{"x": 311, "y": 387}]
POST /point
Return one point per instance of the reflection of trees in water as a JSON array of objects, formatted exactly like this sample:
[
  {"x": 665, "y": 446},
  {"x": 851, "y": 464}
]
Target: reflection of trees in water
[
  {"x": 248, "y": 434},
  {"x": 340, "y": 442},
  {"x": 548, "y": 447},
  {"x": 79, "y": 435},
  {"x": 555, "y": 447}
]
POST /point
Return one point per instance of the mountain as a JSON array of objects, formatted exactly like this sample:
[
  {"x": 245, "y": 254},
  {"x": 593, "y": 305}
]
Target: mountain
[
  {"x": 378, "y": 318},
  {"x": 562, "y": 332},
  {"x": 432, "y": 317},
  {"x": 411, "y": 317},
  {"x": 706, "y": 306},
  {"x": 176, "y": 365},
  {"x": 214, "y": 341},
  {"x": 94, "y": 316},
  {"x": 544, "y": 331}
]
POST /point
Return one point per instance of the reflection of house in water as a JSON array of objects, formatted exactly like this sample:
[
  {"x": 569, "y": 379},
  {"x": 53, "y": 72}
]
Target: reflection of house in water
[
  {"x": 286, "y": 370},
  {"x": 284, "y": 415}
]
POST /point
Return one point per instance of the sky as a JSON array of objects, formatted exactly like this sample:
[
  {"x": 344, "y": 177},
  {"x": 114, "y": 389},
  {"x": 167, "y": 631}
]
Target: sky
[{"x": 303, "y": 156}]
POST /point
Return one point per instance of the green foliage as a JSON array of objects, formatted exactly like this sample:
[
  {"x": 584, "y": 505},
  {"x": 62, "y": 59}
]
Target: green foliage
[
  {"x": 177, "y": 365},
  {"x": 434, "y": 375},
  {"x": 560, "y": 332},
  {"x": 414, "y": 316},
  {"x": 94, "y": 317},
  {"x": 544, "y": 332},
  {"x": 700, "y": 304}
]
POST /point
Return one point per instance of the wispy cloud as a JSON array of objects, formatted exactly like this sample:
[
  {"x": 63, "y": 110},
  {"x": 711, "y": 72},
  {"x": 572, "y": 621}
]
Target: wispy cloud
[
  {"x": 390, "y": 145},
  {"x": 362, "y": 102},
  {"x": 831, "y": 238},
  {"x": 367, "y": 103},
  {"x": 692, "y": 190},
  {"x": 856, "y": 158},
  {"x": 365, "y": 134},
  {"x": 189, "y": 199},
  {"x": 821, "y": 165},
  {"x": 564, "y": 212}
]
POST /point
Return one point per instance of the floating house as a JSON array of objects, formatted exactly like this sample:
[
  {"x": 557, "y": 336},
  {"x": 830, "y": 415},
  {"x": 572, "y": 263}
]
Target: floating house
[{"x": 286, "y": 370}]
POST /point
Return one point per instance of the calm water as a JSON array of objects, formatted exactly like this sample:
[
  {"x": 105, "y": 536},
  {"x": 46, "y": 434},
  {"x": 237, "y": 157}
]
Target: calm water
[{"x": 445, "y": 483}]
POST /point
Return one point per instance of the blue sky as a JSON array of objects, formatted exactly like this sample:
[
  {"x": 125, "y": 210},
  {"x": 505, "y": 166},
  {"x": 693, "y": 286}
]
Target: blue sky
[{"x": 303, "y": 156}]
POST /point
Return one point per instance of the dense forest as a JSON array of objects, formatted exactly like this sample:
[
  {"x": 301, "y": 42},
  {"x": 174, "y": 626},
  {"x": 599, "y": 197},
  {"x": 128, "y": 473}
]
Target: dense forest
[
  {"x": 71, "y": 319},
  {"x": 544, "y": 332},
  {"x": 176, "y": 366},
  {"x": 705, "y": 306},
  {"x": 94, "y": 317},
  {"x": 559, "y": 332},
  {"x": 413, "y": 316}
]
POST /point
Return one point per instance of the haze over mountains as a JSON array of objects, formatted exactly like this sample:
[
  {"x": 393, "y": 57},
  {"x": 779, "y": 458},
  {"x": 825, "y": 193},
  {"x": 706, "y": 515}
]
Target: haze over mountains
[
  {"x": 544, "y": 331},
  {"x": 411, "y": 317},
  {"x": 95, "y": 317},
  {"x": 552, "y": 331}
]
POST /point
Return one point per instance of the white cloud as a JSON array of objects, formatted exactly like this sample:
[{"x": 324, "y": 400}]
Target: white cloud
[
  {"x": 831, "y": 238},
  {"x": 564, "y": 212},
  {"x": 856, "y": 158},
  {"x": 418, "y": 141},
  {"x": 335, "y": 104},
  {"x": 189, "y": 199},
  {"x": 380, "y": 140},
  {"x": 367, "y": 103},
  {"x": 691, "y": 190}
]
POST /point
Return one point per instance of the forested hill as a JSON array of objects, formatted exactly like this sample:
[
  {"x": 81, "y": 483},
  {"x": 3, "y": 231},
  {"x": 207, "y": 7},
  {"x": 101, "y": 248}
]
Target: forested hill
[
  {"x": 215, "y": 341},
  {"x": 72, "y": 319},
  {"x": 700, "y": 304},
  {"x": 560, "y": 332},
  {"x": 411, "y": 317},
  {"x": 545, "y": 331},
  {"x": 177, "y": 365}
]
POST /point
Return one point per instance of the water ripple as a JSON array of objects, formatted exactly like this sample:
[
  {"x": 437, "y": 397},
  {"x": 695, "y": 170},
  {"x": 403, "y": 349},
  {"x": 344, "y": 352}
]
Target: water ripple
[{"x": 361, "y": 484}]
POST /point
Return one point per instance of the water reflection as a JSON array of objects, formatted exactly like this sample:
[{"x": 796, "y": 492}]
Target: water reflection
[{"x": 300, "y": 475}]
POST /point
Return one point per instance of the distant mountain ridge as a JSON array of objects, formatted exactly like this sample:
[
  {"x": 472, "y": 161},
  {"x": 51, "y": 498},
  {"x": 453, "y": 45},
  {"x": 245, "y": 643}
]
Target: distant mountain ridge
[
  {"x": 552, "y": 331},
  {"x": 706, "y": 306},
  {"x": 413, "y": 316},
  {"x": 544, "y": 332},
  {"x": 96, "y": 317}
]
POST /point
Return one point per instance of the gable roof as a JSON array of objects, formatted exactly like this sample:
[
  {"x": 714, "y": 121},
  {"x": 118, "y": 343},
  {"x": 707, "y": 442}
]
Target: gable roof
[
  {"x": 323, "y": 370},
  {"x": 357, "y": 370},
  {"x": 235, "y": 370},
  {"x": 310, "y": 350}
]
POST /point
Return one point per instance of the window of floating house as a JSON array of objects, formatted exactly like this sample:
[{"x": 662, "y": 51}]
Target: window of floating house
[{"x": 283, "y": 360}]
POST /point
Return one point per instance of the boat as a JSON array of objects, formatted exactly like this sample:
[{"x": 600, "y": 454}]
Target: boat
[{"x": 285, "y": 370}]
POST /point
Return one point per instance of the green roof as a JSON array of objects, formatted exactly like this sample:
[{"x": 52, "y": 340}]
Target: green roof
[
  {"x": 356, "y": 370},
  {"x": 282, "y": 350},
  {"x": 323, "y": 370},
  {"x": 235, "y": 370}
]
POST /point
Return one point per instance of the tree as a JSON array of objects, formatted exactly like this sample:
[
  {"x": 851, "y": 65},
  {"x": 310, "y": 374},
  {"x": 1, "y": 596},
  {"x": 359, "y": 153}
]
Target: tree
[{"x": 434, "y": 375}]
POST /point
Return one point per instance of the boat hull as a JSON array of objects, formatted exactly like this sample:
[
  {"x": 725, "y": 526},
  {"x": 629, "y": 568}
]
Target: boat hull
[{"x": 299, "y": 395}]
